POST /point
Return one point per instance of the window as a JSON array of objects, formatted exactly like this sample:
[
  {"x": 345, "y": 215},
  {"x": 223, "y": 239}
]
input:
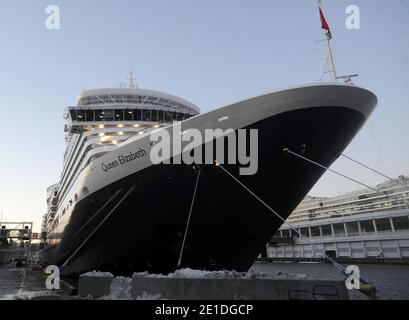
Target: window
[
  {"x": 137, "y": 114},
  {"x": 89, "y": 115},
  {"x": 401, "y": 223},
  {"x": 367, "y": 226},
  {"x": 339, "y": 230},
  {"x": 352, "y": 228},
  {"x": 99, "y": 115},
  {"x": 128, "y": 114},
  {"x": 85, "y": 191},
  {"x": 168, "y": 116},
  {"x": 108, "y": 114},
  {"x": 326, "y": 230},
  {"x": 383, "y": 225},
  {"x": 160, "y": 115},
  {"x": 146, "y": 115},
  {"x": 315, "y": 232},
  {"x": 154, "y": 115},
  {"x": 81, "y": 115},
  {"x": 305, "y": 232},
  {"x": 286, "y": 233},
  {"x": 119, "y": 114},
  {"x": 73, "y": 114}
]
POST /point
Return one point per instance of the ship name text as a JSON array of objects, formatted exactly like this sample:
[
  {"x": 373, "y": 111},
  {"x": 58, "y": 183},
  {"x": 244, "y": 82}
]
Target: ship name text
[{"x": 123, "y": 159}]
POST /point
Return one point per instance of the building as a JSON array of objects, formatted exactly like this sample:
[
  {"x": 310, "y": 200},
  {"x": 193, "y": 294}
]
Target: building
[{"x": 358, "y": 225}]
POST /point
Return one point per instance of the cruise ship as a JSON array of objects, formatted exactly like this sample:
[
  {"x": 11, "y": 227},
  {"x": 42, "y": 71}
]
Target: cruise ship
[
  {"x": 116, "y": 209},
  {"x": 363, "y": 225},
  {"x": 134, "y": 216}
]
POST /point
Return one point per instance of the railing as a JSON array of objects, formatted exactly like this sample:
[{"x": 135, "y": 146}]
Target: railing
[{"x": 305, "y": 218}]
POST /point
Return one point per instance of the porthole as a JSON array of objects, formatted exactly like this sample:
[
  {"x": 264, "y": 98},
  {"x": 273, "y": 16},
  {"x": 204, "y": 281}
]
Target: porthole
[{"x": 85, "y": 191}]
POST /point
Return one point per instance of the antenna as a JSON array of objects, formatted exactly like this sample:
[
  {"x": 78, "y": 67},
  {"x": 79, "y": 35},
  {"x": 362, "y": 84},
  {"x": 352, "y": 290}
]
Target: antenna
[{"x": 131, "y": 81}]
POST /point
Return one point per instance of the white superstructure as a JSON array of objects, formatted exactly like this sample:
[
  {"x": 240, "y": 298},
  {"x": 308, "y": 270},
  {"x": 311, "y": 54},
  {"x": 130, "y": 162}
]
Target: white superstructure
[{"x": 103, "y": 120}]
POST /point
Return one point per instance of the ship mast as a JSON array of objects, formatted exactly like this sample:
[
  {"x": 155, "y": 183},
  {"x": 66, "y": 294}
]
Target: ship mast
[
  {"x": 328, "y": 37},
  {"x": 131, "y": 81},
  {"x": 330, "y": 58}
]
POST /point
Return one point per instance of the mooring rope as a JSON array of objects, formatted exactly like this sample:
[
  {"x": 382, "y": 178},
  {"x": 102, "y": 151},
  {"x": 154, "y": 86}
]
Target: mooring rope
[
  {"x": 96, "y": 214},
  {"x": 288, "y": 151},
  {"x": 97, "y": 227},
  {"x": 188, "y": 219},
  {"x": 381, "y": 174},
  {"x": 375, "y": 171},
  {"x": 338, "y": 266}
]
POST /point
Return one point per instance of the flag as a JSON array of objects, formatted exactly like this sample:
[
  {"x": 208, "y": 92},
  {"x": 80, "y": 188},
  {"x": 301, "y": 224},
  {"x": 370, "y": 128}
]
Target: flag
[{"x": 324, "y": 24}]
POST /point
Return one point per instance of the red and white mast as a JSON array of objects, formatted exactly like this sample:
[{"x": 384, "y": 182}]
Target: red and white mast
[
  {"x": 328, "y": 37},
  {"x": 330, "y": 58}
]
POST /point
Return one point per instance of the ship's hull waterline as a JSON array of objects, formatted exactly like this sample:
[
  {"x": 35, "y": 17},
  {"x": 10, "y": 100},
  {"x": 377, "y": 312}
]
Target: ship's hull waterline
[{"x": 137, "y": 222}]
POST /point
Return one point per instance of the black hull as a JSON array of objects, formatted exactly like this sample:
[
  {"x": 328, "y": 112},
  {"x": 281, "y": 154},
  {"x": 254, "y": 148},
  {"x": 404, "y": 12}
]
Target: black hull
[{"x": 229, "y": 227}]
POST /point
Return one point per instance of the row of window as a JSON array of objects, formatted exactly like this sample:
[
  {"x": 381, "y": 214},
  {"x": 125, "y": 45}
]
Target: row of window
[
  {"x": 69, "y": 204},
  {"x": 395, "y": 196},
  {"x": 127, "y": 115},
  {"x": 352, "y": 228},
  {"x": 374, "y": 206},
  {"x": 133, "y": 99}
]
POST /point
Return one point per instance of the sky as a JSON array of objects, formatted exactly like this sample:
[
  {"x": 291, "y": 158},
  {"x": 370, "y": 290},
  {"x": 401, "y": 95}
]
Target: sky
[{"x": 211, "y": 52}]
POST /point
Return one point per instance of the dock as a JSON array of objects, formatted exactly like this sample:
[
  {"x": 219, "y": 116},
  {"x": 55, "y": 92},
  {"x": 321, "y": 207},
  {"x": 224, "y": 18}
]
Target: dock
[{"x": 27, "y": 283}]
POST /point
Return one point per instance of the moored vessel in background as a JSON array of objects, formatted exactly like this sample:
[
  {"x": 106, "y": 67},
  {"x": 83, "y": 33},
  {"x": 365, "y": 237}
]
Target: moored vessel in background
[{"x": 364, "y": 225}]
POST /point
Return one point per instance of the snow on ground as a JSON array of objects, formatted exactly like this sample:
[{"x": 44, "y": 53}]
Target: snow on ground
[
  {"x": 120, "y": 289},
  {"x": 97, "y": 274},
  {"x": 200, "y": 274}
]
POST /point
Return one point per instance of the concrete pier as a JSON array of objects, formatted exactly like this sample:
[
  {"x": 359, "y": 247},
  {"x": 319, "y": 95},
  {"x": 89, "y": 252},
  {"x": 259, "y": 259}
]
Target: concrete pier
[
  {"x": 238, "y": 289},
  {"x": 94, "y": 286},
  {"x": 144, "y": 287}
]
